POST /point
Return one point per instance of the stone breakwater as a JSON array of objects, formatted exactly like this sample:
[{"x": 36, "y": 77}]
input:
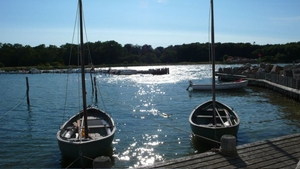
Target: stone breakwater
[
  {"x": 292, "y": 70},
  {"x": 282, "y": 79}
]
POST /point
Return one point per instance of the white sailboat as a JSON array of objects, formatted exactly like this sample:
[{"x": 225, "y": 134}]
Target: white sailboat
[
  {"x": 238, "y": 84},
  {"x": 212, "y": 119},
  {"x": 90, "y": 132}
]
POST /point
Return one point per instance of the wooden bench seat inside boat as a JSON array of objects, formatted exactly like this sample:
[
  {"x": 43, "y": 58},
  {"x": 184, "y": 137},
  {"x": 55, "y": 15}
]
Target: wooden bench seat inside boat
[
  {"x": 209, "y": 116},
  {"x": 97, "y": 123},
  {"x": 98, "y": 126}
]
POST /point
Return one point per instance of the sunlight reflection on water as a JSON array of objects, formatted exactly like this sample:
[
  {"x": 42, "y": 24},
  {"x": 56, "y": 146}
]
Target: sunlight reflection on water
[{"x": 150, "y": 113}]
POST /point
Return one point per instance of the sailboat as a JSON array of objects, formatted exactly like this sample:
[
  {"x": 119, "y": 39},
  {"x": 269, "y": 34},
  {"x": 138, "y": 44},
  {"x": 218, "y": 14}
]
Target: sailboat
[
  {"x": 238, "y": 84},
  {"x": 212, "y": 119},
  {"x": 90, "y": 132}
]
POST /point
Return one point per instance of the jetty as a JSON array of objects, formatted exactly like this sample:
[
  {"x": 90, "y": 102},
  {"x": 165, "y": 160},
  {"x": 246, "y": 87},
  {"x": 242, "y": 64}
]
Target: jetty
[
  {"x": 124, "y": 71},
  {"x": 281, "y": 152},
  {"x": 284, "y": 80}
]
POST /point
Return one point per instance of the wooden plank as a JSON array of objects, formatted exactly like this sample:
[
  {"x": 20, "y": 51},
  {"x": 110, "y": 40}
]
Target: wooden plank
[
  {"x": 97, "y": 126},
  {"x": 227, "y": 116},
  {"x": 79, "y": 128},
  {"x": 282, "y": 152}
]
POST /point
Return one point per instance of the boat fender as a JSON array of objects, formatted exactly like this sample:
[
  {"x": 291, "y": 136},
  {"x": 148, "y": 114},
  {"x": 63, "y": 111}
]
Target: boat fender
[
  {"x": 70, "y": 133},
  {"x": 64, "y": 133},
  {"x": 108, "y": 131}
]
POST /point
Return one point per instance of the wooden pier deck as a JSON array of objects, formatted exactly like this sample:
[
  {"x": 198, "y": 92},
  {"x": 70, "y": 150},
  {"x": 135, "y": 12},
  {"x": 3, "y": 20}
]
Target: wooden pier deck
[{"x": 282, "y": 152}]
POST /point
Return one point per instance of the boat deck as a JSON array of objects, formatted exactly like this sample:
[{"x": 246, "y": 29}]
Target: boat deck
[{"x": 282, "y": 152}]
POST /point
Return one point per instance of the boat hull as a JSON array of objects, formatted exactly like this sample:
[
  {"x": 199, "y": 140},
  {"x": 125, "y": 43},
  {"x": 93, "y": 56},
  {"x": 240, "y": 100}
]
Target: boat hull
[
  {"x": 221, "y": 86},
  {"x": 201, "y": 122},
  {"x": 82, "y": 150}
]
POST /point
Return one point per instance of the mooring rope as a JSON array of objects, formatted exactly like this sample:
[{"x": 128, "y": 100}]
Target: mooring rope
[
  {"x": 89, "y": 158},
  {"x": 126, "y": 106},
  {"x": 73, "y": 162},
  {"x": 77, "y": 159},
  {"x": 14, "y": 107}
]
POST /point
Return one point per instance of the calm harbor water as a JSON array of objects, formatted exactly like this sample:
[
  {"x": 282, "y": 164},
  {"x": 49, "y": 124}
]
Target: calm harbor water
[{"x": 151, "y": 114}]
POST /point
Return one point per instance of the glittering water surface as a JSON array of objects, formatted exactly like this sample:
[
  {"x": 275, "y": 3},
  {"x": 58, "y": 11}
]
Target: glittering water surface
[{"x": 151, "y": 114}]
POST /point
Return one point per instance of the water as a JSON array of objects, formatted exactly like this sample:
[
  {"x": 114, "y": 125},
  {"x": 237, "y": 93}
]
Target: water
[{"x": 151, "y": 114}]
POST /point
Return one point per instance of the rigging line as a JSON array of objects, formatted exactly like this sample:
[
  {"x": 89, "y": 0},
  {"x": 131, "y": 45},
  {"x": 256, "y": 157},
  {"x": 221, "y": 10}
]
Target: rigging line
[
  {"x": 13, "y": 107},
  {"x": 74, "y": 30},
  {"x": 111, "y": 100},
  {"x": 66, "y": 94},
  {"x": 79, "y": 92},
  {"x": 209, "y": 38},
  {"x": 69, "y": 65},
  {"x": 78, "y": 59},
  {"x": 102, "y": 99},
  {"x": 86, "y": 37},
  {"x": 93, "y": 89}
]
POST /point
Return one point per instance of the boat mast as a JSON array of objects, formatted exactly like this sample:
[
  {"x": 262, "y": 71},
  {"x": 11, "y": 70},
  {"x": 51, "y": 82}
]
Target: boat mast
[
  {"x": 83, "y": 73},
  {"x": 213, "y": 61}
]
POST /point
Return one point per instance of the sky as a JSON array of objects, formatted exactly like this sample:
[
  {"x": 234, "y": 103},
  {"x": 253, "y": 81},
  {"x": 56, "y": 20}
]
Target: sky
[{"x": 152, "y": 22}]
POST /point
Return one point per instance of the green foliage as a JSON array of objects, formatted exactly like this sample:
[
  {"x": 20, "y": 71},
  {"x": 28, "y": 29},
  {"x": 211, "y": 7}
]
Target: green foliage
[
  {"x": 113, "y": 53},
  {"x": 225, "y": 57}
]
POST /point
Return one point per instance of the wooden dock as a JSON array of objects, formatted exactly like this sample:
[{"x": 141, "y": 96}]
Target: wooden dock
[
  {"x": 287, "y": 86},
  {"x": 282, "y": 152},
  {"x": 287, "y": 91}
]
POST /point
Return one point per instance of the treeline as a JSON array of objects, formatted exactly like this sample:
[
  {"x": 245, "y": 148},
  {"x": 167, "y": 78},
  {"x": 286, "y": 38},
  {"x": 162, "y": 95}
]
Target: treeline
[{"x": 111, "y": 52}]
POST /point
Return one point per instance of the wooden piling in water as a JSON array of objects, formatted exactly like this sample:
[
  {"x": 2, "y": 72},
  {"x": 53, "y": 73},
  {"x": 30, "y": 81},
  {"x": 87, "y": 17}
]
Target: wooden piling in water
[
  {"x": 92, "y": 83},
  {"x": 27, "y": 91},
  {"x": 95, "y": 86}
]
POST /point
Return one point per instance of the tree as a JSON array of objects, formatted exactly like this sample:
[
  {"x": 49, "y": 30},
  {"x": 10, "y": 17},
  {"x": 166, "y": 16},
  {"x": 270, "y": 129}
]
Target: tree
[
  {"x": 111, "y": 52},
  {"x": 149, "y": 58},
  {"x": 169, "y": 56}
]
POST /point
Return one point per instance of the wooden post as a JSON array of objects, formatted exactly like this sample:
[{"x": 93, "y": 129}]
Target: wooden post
[
  {"x": 95, "y": 86},
  {"x": 102, "y": 162},
  {"x": 228, "y": 145},
  {"x": 27, "y": 91},
  {"x": 92, "y": 83}
]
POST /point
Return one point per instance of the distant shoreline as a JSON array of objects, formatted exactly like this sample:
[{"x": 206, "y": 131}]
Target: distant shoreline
[{"x": 27, "y": 68}]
